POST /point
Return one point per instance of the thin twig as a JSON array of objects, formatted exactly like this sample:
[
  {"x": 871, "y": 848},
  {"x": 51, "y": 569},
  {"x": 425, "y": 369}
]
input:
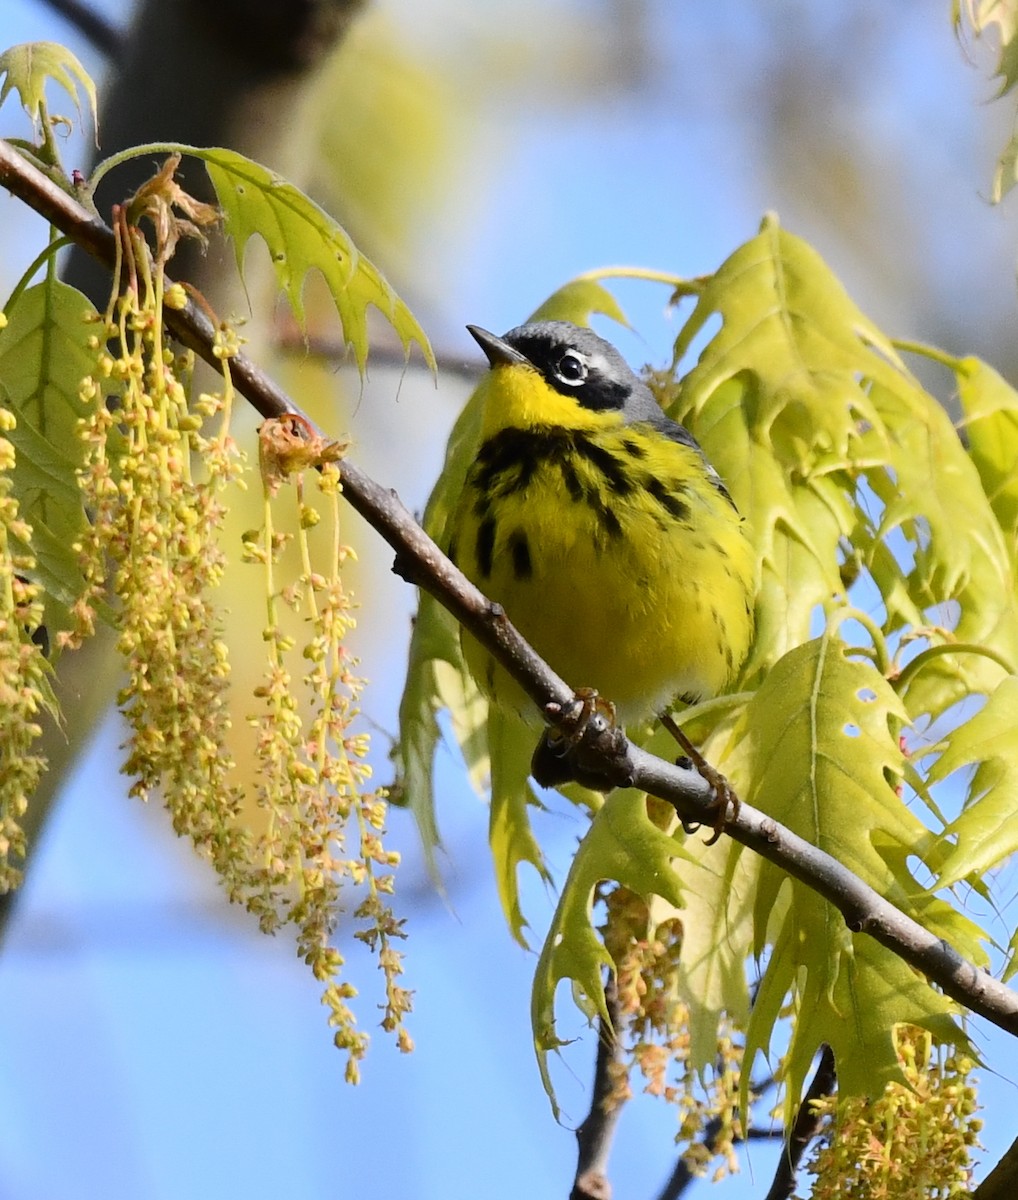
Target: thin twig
[
  {"x": 805, "y": 1127},
  {"x": 595, "y": 1135},
  {"x": 683, "y": 1176},
  {"x": 337, "y": 353},
  {"x": 103, "y": 34},
  {"x": 418, "y": 557}
]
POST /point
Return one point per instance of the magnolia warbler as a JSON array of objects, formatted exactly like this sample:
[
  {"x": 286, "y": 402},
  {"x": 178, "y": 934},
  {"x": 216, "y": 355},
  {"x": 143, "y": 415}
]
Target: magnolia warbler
[{"x": 600, "y": 527}]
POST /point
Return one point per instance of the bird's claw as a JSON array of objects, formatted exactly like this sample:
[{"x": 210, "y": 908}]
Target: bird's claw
[
  {"x": 583, "y": 744},
  {"x": 724, "y": 793},
  {"x": 724, "y": 796},
  {"x": 569, "y": 721}
]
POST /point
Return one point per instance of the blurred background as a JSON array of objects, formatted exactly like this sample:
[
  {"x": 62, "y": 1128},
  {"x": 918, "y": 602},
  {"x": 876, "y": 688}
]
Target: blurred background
[{"x": 155, "y": 1044}]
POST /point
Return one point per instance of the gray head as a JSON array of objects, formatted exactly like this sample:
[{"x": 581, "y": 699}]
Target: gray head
[{"x": 575, "y": 362}]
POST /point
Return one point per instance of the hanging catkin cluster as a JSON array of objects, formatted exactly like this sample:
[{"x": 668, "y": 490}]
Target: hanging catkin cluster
[
  {"x": 24, "y": 683},
  {"x": 158, "y": 463},
  {"x": 154, "y": 529},
  {"x": 647, "y": 957},
  {"x": 312, "y": 763},
  {"x": 914, "y": 1142}
]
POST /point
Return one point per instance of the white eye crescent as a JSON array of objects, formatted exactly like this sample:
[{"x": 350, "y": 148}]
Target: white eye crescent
[{"x": 572, "y": 368}]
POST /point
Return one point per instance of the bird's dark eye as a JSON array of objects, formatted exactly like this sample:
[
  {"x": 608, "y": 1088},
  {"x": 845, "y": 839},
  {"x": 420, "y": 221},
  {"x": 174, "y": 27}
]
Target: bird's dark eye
[{"x": 572, "y": 367}]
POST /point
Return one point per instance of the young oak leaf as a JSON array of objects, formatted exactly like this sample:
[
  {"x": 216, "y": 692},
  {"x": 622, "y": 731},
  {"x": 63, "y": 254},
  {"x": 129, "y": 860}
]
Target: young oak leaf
[
  {"x": 44, "y": 355},
  {"x": 787, "y": 322},
  {"x": 934, "y": 494},
  {"x": 990, "y": 423},
  {"x": 577, "y": 301},
  {"x": 510, "y": 836},
  {"x": 717, "y": 938},
  {"x": 855, "y": 1012},
  {"x": 622, "y": 844},
  {"x": 983, "y": 15},
  {"x": 819, "y": 750},
  {"x": 414, "y": 755},
  {"x": 1002, "y": 17},
  {"x": 795, "y": 399},
  {"x": 986, "y": 831},
  {"x": 27, "y": 67},
  {"x": 718, "y": 885},
  {"x": 302, "y": 237}
]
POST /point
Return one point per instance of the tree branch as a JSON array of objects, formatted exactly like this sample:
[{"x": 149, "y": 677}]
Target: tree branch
[
  {"x": 864, "y": 909},
  {"x": 595, "y": 1135},
  {"x": 805, "y": 1127},
  {"x": 1002, "y": 1181},
  {"x": 336, "y": 353}
]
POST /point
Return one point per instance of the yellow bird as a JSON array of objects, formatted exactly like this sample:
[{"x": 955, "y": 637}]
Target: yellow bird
[{"x": 601, "y": 528}]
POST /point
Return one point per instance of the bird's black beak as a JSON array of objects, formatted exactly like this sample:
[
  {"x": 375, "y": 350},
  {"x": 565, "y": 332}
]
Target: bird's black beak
[{"x": 498, "y": 352}]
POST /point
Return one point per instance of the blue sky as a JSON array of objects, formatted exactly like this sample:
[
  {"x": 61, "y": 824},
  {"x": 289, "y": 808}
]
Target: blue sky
[{"x": 156, "y": 1046}]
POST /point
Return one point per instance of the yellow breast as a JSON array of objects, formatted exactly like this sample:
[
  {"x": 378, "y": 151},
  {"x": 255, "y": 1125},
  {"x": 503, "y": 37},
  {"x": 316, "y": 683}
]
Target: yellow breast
[{"x": 616, "y": 556}]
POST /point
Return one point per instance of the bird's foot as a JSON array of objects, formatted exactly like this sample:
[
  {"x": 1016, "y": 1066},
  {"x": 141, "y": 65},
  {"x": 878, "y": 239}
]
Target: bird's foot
[
  {"x": 584, "y": 744},
  {"x": 724, "y": 794}
]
